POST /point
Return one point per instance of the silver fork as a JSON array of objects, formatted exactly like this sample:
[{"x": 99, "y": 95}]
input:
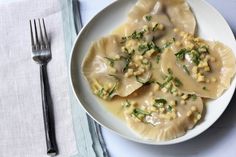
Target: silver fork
[{"x": 41, "y": 54}]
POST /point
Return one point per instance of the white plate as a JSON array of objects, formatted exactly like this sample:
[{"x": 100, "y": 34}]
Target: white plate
[{"x": 211, "y": 25}]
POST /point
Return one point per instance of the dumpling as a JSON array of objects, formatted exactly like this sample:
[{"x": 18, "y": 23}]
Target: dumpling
[
  {"x": 152, "y": 12},
  {"x": 106, "y": 69},
  {"x": 205, "y": 68},
  {"x": 180, "y": 15},
  {"x": 159, "y": 115}
]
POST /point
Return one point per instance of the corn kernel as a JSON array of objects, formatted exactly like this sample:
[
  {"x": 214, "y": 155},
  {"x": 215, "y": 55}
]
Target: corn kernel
[
  {"x": 205, "y": 64},
  {"x": 178, "y": 44},
  {"x": 207, "y": 69},
  {"x": 162, "y": 109},
  {"x": 160, "y": 27},
  {"x": 176, "y": 30},
  {"x": 152, "y": 108},
  {"x": 182, "y": 34},
  {"x": 195, "y": 69},
  {"x": 137, "y": 120},
  {"x": 164, "y": 90},
  {"x": 198, "y": 116},
  {"x": 213, "y": 79},
  {"x": 189, "y": 113},
  {"x": 145, "y": 27},
  {"x": 117, "y": 56},
  {"x": 200, "y": 78},
  {"x": 156, "y": 87},
  {"x": 182, "y": 102},
  {"x": 190, "y": 46},
  {"x": 126, "y": 75},
  {"x": 185, "y": 96},
  {"x": 193, "y": 108},
  {"x": 172, "y": 103}
]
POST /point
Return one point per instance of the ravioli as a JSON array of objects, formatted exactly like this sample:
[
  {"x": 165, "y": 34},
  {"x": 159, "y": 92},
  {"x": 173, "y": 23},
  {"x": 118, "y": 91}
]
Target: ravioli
[
  {"x": 153, "y": 12},
  {"x": 205, "y": 67},
  {"x": 103, "y": 68},
  {"x": 157, "y": 115}
]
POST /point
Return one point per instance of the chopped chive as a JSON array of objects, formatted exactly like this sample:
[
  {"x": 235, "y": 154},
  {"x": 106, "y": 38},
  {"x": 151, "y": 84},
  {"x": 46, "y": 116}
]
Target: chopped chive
[
  {"x": 166, "y": 45},
  {"x": 138, "y": 79},
  {"x": 177, "y": 82},
  {"x": 167, "y": 80},
  {"x": 112, "y": 90},
  {"x": 194, "y": 97},
  {"x": 195, "y": 56},
  {"x": 137, "y": 35},
  {"x": 158, "y": 58},
  {"x": 155, "y": 27},
  {"x": 181, "y": 54},
  {"x": 170, "y": 72},
  {"x": 169, "y": 108},
  {"x": 127, "y": 61},
  {"x": 127, "y": 103},
  {"x": 186, "y": 69},
  {"x": 100, "y": 92},
  {"x": 159, "y": 103},
  {"x": 204, "y": 88},
  {"x": 148, "y": 17},
  {"x": 111, "y": 61}
]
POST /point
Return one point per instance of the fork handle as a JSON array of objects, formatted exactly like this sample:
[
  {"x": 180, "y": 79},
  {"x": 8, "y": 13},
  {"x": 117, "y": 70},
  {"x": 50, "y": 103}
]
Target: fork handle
[{"x": 47, "y": 112}]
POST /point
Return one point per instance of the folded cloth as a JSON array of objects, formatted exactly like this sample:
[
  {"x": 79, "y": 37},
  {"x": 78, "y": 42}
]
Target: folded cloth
[{"x": 21, "y": 118}]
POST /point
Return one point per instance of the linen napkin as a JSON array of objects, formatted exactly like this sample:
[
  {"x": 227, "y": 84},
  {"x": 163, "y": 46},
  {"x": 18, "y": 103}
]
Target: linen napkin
[{"x": 21, "y": 118}]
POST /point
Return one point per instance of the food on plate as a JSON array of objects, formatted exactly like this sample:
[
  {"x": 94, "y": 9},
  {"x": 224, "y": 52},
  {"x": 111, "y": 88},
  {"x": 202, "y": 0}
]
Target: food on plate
[
  {"x": 156, "y": 71},
  {"x": 205, "y": 67}
]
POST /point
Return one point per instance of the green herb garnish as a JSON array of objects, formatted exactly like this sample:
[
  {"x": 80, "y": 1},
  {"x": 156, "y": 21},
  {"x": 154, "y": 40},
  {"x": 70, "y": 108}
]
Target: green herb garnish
[
  {"x": 177, "y": 82},
  {"x": 195, "y": 56},
  {"x": 169, "y": 108},
  {"x": 148, "y": 17},
  {"x": 167, "y": 80},
  {"x": 126, "y": 103},
  {"x": 167, "y": 44},
  {"x": 138, "y": 79},
  {"x": 112, "y": 90},
  {"x": 111, "y": 61},
  {"x": 194, "y": 97},
  {"x": 146, "y": 47},
  {"x": 137, "y": 35},
  {"x": 204, "y": 88},
  {"x": 186, "y": 69},
  {"x": 181, "y": 54},
  {"x": 100, "y": 92},
  {"x": 170, "y": 72},
  {"x": 127, "y": 61},
  {"x": 158, "y": 58},
  {"x": 143, "y": 49},
  {"x": 155, "y": 27},
  {"x": 140, "y": 114},
  {"x": 159, "y": 103}
]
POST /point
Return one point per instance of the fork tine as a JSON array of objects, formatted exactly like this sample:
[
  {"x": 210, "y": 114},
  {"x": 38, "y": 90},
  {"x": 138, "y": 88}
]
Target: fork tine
[
  {"x": 45, "y": 34},
  {"x": 41, "y": 34},
  {"x": 36, "y": 34},
  {"x": 31, "y": 33}
]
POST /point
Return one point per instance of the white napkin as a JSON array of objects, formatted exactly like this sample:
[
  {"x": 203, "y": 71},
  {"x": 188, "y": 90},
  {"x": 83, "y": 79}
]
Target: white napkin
[{"x": 21, "y": 118}]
